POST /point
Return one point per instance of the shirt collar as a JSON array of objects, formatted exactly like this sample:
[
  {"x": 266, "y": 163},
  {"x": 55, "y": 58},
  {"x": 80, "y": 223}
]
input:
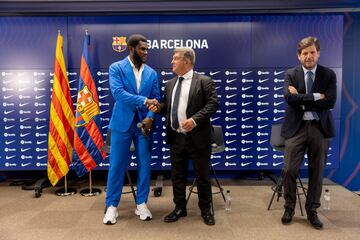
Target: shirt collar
[
  {"x": 312, "y": 70},
  {"x": 188, "y": 75}
]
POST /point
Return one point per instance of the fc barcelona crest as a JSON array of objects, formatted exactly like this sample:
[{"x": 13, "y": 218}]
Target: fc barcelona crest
[
  {"x": 86, "y": 107},
  {"x": 119, "y": 43}
]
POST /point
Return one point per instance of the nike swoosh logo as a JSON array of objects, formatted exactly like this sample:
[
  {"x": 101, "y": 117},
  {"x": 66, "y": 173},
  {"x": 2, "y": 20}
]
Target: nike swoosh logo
[
  {"x": 262, "y": 156},
  {"x": 103, "y": 96},
  {"x": 166, "y": 157},
  {"x": 38, "y": 97},
  {"x": 40, "y": 127},
  {"x": 24, "y": 150},
  {"x": 278, "y": 118},
  {"x": 213, "y": 73},
  {"x": 262, "y": 111},
  {"x": 245, "y": 73},
  {"x": 230, "y": 96},
  {"x": 71, "y": 81},
  {"x": 277, "y": 88},
  {"x": 230, "y": 111},
  {"x": 41, "y": 157},
  {"x": 231, "y": 141},
  {"x": 22, "y": 89},
  {"x": 39, "y": 112},
  {"x": 277, "y": 73},
  {"x": 245, "y": 164},
  {"x": 262, "y": 141},
  {"x": 231, "y": 126},
  {"x": 102, "y": 112},
  {"x": 25, "y": 164},
  {"x": 245, "y": 119},
  {"x": 263, "y": 80},
  {"x": 152, "y": 164},
  {"x": 306, "y": 164},
  {"x": 38, "y": 81},
  {"x": 9, "y": 142},
  {"x": 40, "y": 142},
  {"x": 23, "y": 104},
  {"x": 278, "y": 103},
  {"x": 244, "y": 104},
  {"x": 262, "y": 126},
  {"x": 24, "y": 135},
  {"x": 245, "y": 134},
  {"x": 263, "y": 95},
  {"x": 102, "y": 81},
  {"x": 214, "y": 119},
  {"x": 9, "y": 96},
  {"x": 8, "y": 127},
  {"x": 230, "y": 80},
  {"x": 246, "y": 88},
  {"x": 276, "y": 164},
  {"x": 214, "y": 164},
  {"x": 6, "y": 81},
  {"x": 245, "y": 149},
  {"x": 8, "y": 112},
  {"x": 10, "y": 157},
  {"x": 133, "y": 157},
  {"x": 228, "y": 157},
  {"x": 24, "y": 119}
]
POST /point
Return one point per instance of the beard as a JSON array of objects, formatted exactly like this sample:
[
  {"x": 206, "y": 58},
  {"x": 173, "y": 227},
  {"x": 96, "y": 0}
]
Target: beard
[{"x": 137, "y": 58}]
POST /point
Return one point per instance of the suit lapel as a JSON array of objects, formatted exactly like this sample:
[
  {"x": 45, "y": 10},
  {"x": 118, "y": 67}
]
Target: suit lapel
[
  {"x": 144, "y": 78},
  {"x": 130, "y": 75},
  {"x": 301, "y": 79},
  {"x": 318, "y": 75},
  {"x": 194, "y": 81},
  {"x": 170, "y": 89}
]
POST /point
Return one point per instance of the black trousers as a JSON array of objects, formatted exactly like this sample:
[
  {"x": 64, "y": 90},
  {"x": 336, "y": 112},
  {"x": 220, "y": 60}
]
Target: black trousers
[
  {"x": 181, "y": 150},
  {"x": 309, "y": 138}
]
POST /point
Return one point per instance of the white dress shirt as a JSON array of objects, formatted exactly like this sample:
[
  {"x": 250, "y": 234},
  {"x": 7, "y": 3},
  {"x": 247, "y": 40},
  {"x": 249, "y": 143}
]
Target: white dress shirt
[{"x": 184, "y": 97}]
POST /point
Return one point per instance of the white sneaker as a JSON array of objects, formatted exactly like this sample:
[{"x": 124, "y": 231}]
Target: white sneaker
[
  {"x": 143, "y": 212},
  {"x": 110, "y": 215}
]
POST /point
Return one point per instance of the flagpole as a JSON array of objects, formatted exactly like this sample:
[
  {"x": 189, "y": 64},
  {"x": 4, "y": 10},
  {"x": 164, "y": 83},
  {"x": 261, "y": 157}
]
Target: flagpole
[
  {"x": 66, "y": 191},
  {"x": 90, "y": 192}
]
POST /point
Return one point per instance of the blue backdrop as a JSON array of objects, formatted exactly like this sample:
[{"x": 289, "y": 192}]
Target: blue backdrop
[{"x": 245, "y": 55}]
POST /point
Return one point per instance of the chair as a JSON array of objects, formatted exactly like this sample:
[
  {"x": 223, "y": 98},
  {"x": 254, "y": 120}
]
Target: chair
[
  {"x": 277, "y": 142},
  {"x": 216, "y": 147},
  {"x": 106, "y": 148}
]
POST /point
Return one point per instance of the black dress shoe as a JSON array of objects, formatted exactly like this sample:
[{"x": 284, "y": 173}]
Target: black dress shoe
[
  {"x": 175, "y": 215},
  {"x": 315, "y": 221},
  {"x": 287, "y": 217},
  {"x": 208, "y": 218}
]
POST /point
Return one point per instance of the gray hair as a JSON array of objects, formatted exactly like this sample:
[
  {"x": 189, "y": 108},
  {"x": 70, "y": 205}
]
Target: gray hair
[{"x": 188, "y": 53}]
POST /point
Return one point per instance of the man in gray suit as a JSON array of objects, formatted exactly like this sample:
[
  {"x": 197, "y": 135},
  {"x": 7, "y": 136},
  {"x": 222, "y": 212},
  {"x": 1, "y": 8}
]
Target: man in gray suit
[{"x": 190, "y": 99}]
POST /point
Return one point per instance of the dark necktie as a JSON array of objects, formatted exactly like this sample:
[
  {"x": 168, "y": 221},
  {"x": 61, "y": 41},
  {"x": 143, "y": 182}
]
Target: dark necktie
[
  {"x": 309, "y": 81},
  {"x": 175, "y": 106},
  {"x": 309, "y": 84}
]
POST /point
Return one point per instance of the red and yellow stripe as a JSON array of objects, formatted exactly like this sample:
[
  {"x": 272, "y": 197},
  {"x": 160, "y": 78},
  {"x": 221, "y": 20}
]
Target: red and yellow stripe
[{"x": 61, "y": 129}]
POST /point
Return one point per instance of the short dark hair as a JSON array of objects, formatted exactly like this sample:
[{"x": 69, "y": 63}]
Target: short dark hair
[
  {"x": 307, "y": 42},
  {"x": 135, "y": 39}
]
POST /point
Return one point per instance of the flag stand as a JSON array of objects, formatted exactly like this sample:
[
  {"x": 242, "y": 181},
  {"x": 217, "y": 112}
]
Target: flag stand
[
  {"x": 64, "y": 192},
  {"x": 90, "y": 192}
]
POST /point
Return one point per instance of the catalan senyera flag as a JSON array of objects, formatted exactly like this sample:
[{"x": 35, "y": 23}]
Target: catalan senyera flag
[
  {"x": 88, "y": 140},
  {"x": 61, "y": 129}
]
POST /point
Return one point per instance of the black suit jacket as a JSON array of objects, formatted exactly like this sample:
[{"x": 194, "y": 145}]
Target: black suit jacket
[
  {"x": 325, "y": 82},
  {"x": 202, "y": 103}
]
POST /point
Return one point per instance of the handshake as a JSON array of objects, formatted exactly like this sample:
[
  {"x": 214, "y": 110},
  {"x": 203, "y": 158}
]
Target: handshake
[{"x": 153, "y": 105}]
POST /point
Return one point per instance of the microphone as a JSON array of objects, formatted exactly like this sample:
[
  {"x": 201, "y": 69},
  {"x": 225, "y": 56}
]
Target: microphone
[{"x": 141, "y": 126}]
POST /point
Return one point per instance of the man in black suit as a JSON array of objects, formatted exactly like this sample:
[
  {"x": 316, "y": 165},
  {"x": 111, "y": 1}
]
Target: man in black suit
[
  {"x": 310, "y": 92},
  {"x": 189, "y": 101}
]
